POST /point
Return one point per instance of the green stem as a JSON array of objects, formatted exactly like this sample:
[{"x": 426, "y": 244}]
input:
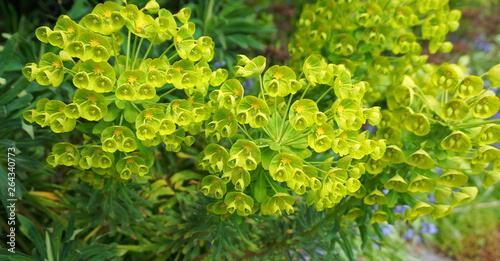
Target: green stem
[
  {"x": 138, "y": 49},
  {"x": 208, "y": 15},
  {"x": 261, "y": 84},
  {"x": 173, "y": 56},
  {"x": 323, "y": 95},
  {"x": 169, "y": 91},
  {"x": 135, "y": 106},
  {"x": 476, "y": 124},
  {"x": 116, "y": 53},
  {"x": 166, "y": 50},
  {"x": 242, "y": 128},
  {"x": 305, "y": 91},
  {"x": 128, "y": 50},
  {"x": 149, "y": 49}
]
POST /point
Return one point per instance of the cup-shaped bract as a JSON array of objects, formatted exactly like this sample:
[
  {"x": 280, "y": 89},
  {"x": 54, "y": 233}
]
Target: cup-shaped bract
[
  {"x": 105, "y": 18},
  {"x": 465, "y": 195},
  {"x": 457, "y": 141},
  {"x": 470, "y": 86},
  {"x": 244, "y": 153},
  {"x": 491, "y": 178},
  {"x": 455, "y": 110},
  {"x": 368, "y": 15},
  {"x": 212, "y": 184},
  {"x": 375, "y": 166},
  {"x": 97, "y": 76},
  {"x": 445, "y": 77},
  {"x": 320, "y": 137},
  {"x": 485, "y": 154},
  {"x": 422, "y": 184},
  {"x": 493, "y": 75},
  {"x": 213, "y": 158},
  {"x": 230, "y": 93},
  {"x": 63, "y": 153},
  {"x": 129, "y": 165},
  {"x": 252, "y": 110},
  {"x": 93, "y": 105},
  {"x": 343, "y": 44},
  {"x": 379, "y": 216},
  {"x": 418, "y": 124},
  {"x": 316, "y": 70},
  {"x": 276, "y": 204},
  {"x": 283, "y": 166},
  {"x": 397, "y": 183},
  {"x": 96, "y": 47},
  {"x": 486, "y": 107},
  {"x": 348, "y": 114},
  {"x": 441, "y": 211},
  {"x": 421, "y": 159},
  {"x": 249, "y": 68},
  {"x": 280, "y": 81},
  {"x": 239, "y": 176},
  {"x": 453, "y": 179},
  {"x": 302, "y": 113},
  {"x": 376, "y": 197},
  {"x": 51, "y": 70},
  {"x": 490, "y": 133},
  {"x": 239, "y": 202},
  {"x": 118, "y": 138}
]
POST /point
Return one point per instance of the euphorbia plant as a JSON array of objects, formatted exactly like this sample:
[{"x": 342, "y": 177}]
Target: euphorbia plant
[{"x": 304, "y": 133}]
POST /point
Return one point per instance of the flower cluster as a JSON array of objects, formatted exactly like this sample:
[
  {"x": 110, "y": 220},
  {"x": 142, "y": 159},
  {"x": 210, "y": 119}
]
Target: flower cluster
[
  {"x": 377, "y": 43},
  {"x": 304, "y": 133}
]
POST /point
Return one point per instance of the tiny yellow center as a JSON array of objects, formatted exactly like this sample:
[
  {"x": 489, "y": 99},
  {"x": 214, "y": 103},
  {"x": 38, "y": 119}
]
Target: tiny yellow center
[
  {"x": 340, "y": 109},
  {"x": 138, "y": 29},
  {"x": 277, "y": 75},
  {"x": 320, "y": 131},
  {"x": 98, "y": 151},
  {"x": 175, "y": 106},
  {"x": 178, "y": 39},
  {"x": 255, "y": 106},
  {"x": 98, "y": 70},
  {"x": 61, "y": 109},
  {"x": 151, "y": 67},
  {"x": 117, "y": 132},
  {"x": 56, "y": 64},
  {"x": 344, "y": 136},
  {"x": 285, "y": 160},
  {"x": 92, "y": 98},
  {"x": 107, "y": 14},
  {"x": 148, "y": 116},
  {"x": 69, "y": 149},
  {"x": 131, "y": 79},
  {"x": 247, "y": 148},
  {"x": 130, "y": 161},
  {"x": 94, "y": 42},
  {"x": 299, "y": 109},
  {"x": 308, "y": 66},
  {"x": 71, "y": 30},
  {"x": 178, "y": 68}
]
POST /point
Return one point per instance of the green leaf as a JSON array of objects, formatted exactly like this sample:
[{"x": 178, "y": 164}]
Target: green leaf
[
  {"x": 9, "y": 49},
  {"x": 30, "y": 231},
  {"x": 10, "y": 94},
  {"x": 130, "y": 113}
]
